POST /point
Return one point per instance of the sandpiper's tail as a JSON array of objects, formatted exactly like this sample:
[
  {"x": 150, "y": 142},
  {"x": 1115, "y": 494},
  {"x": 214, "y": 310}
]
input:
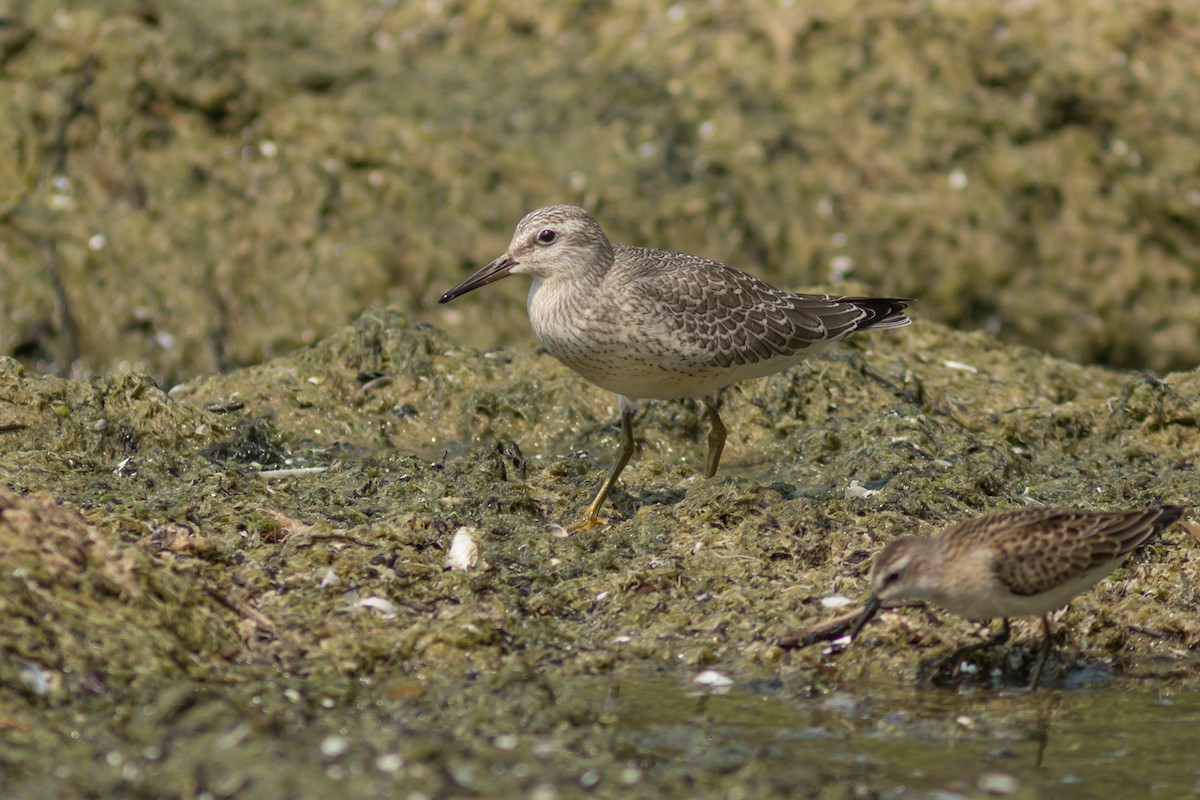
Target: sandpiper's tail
[{"x": 880, "y": 312}]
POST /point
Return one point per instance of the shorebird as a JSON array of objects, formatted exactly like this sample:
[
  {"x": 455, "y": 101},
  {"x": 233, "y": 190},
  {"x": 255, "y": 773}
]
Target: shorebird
[
  {"x": 1020, "y": 563},
  {"x": 657, "y": 325}
]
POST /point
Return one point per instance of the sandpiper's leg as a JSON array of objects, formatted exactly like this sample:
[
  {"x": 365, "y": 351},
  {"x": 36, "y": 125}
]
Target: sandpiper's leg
[
  {"x": 716, "y": 435},
  {"x": 1000, "y": 638},
  {"x": 1047, "y": 643},
  {"x": 592, "y": 517}
]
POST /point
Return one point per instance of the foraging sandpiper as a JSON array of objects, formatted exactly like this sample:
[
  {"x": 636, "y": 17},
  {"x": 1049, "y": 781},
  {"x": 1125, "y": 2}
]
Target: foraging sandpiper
[
  {"x": 1020, "y": 563},
  {"x": 656, "y": 324}
]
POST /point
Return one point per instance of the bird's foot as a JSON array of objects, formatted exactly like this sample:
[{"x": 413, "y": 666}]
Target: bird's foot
[{"x": 589, "y": 522}]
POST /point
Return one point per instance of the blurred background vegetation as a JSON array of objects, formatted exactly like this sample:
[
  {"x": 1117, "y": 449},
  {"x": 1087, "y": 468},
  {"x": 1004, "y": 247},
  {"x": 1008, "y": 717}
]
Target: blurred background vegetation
[{"x": 188, "y": 187}]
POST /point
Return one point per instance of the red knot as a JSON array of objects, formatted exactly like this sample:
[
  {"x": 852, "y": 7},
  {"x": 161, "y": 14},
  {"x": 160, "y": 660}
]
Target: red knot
[
  {"x": 657, "y": 325},
  {"x": 1023, "y": 563}
]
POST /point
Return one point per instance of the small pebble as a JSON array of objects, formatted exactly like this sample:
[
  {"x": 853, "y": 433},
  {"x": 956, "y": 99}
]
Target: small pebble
[{"x": 998, "y": 783}]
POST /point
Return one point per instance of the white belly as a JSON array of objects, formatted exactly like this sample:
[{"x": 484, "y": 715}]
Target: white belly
[{"x": 997, "y": 601}]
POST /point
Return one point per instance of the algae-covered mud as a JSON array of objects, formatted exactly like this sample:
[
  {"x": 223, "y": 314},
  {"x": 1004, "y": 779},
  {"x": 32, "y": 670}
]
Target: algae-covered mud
[
  {"x": 193, "y": 187},
  {"x": 240, "y": 587},
  {"x": 241, "y": 450}
]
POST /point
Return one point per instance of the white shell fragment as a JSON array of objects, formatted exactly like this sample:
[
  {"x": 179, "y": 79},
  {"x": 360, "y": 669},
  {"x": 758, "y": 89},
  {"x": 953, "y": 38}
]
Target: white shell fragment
[
  {"x": 380, "y": 604},
  {"x": 837, "y": 645},
  {"x": 998, "y": 784},
  {"x": 37, "y": 678},
  {"x": 713, "y": 681},
  {"x": 835, "y": 601},
  {"x": 464, "y": 550},
  {"x": 857, "y": 491}
]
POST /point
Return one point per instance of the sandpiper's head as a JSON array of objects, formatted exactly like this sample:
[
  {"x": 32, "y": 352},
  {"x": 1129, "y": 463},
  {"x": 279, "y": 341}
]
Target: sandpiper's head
[
  {"x": 898, "y": 573},
  {"x": 551, "y": 241}
]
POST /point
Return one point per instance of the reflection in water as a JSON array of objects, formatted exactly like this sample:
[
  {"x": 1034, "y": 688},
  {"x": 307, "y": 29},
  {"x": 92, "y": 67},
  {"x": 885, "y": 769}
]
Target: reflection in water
[{"x": 915, "y": 743}]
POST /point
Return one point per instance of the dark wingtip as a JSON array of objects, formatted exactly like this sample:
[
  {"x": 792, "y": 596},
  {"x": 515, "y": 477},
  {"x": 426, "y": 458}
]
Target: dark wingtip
[{"x": 888, "y": 312}]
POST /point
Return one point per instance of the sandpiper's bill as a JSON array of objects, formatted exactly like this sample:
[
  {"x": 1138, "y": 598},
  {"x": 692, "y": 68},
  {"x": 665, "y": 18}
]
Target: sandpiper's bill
[
  {"x": 1020, "y": 563},
  {"x": 656, "y": 324}
]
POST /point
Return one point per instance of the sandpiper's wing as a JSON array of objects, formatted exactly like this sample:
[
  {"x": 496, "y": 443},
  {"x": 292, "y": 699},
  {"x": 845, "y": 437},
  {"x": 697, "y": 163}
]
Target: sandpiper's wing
[
  {"x": 1040, "y": 549},
  {"x": 730, "y": 318}
]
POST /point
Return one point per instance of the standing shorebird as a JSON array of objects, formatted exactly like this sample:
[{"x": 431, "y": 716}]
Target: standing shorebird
[
  {"x": 657, "y": 325},
  {"x": 1023, "y": 563}
]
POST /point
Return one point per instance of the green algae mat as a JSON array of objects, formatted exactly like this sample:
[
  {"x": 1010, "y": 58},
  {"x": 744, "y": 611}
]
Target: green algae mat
[
  {"x": 240, "y": 587},
  {"x": 239, "y": 440}
]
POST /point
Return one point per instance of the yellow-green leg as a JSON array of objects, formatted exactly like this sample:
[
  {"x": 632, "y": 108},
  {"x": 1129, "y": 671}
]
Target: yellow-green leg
[
  {"x": 716, "y": 436},
  {"x": 592, "y": 517}
]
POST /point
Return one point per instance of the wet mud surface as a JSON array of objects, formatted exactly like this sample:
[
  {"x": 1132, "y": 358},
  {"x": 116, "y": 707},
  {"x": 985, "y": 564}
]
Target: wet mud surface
[{"x": 250, "y": 570}]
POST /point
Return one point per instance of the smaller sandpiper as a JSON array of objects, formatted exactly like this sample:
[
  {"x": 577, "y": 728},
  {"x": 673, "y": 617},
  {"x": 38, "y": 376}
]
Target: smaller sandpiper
[
  {"x": 1020, "y": 563},
  {"x": 656, "y": 324}
]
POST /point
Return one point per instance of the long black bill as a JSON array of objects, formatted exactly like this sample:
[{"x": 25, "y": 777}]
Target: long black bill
[
  {"x": 486, "y": 274},
  {"x": 869, "y": 611}
]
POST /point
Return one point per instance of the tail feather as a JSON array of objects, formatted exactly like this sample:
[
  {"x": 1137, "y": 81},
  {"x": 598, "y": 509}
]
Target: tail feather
[{"x": 885, "y": 312}]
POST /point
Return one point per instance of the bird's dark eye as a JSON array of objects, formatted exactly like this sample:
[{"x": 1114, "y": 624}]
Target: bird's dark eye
[
  {"x": 891, "y": 577},
  {"x": 547, "y": 236}
]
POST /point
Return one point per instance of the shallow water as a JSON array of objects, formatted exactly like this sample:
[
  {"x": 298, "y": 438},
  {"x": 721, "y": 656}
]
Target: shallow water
[{"x": 1117, "y": 741}]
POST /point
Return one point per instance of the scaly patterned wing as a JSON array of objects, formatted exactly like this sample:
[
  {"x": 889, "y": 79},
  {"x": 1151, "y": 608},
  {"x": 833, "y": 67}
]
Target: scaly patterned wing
[
  {"x": 733, "y": 318},
  {"x": 1040, "y": 549}
]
